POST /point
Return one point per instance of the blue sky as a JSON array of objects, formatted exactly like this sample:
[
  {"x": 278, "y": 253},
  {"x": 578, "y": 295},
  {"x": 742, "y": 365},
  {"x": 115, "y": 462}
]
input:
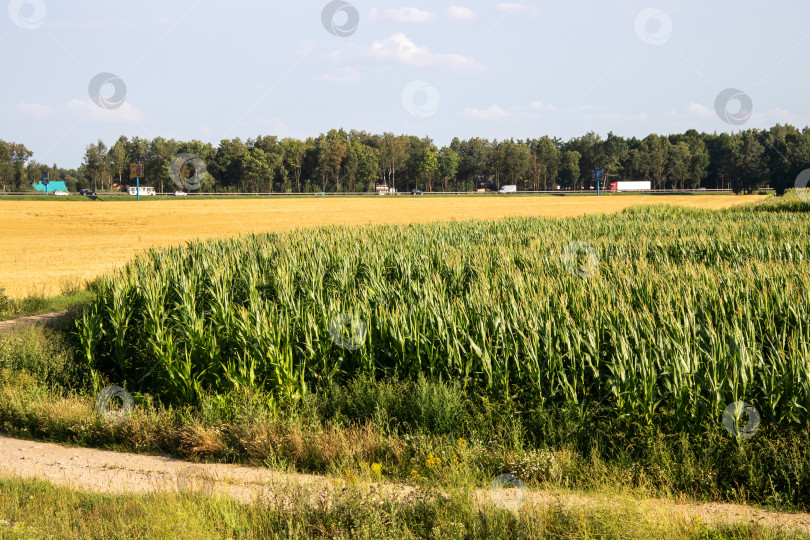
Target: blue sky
[{"x": 212, "y": 70}]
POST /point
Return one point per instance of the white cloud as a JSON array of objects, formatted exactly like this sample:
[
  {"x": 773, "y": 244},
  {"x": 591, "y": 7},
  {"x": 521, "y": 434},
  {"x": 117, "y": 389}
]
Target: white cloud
[
  {"x": 694, "y": 110},
  {"x": 372, "y": 14},
  {"x": 401, "y": 50},
  {"x": 533, "y": 111},
  {"x": 613, "y": 116},
  {"x": 272, "y": 126},
  {"x": 266, "y": 125},
  {"x": 492, "y": 113},
  {"x": 599, "y": 113},
  {"x": 409, "y": 15},
  {"x": 398, "y": 49},
  {"x": 459, "y": 12},
  {"x": 35, "y": 110},
  {"x": 774, "y": 116},
  {"x": 125, "y": 114},
  {"x": 518, "y": 9},
  {"x": 345, "y": 75},
  {"x": 783, "y": 115},
  {"x": 540, "y": 106}
]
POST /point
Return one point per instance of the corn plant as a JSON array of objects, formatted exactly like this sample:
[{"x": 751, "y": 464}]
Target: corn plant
[{"x": 685, "y": 312}]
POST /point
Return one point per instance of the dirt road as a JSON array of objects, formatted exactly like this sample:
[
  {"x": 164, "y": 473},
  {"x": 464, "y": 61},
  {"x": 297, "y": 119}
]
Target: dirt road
[
  {"x": 33, "y": 319},
  {"x": 112, "y": 472}
]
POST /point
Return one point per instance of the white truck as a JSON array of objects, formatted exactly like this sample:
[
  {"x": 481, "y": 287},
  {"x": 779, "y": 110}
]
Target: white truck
[
  {"x": 508, "y": 189},
  {"x": 645, "y": 185},
  {"x": 143, "y": 190}
]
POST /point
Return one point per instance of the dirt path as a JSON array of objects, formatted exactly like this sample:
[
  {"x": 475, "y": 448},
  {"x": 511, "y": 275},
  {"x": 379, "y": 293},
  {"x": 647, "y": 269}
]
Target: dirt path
[
  {"x": 41, "y": 319},
  {"x": 116, "y": 472},
  {"x": 113, "y": 472}
]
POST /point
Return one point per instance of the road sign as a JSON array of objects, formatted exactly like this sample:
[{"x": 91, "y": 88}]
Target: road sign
[
  {"x": 46, "y": 178},
  {"x": 597, "y": 175},
  {"x": 136, "y": 170}
]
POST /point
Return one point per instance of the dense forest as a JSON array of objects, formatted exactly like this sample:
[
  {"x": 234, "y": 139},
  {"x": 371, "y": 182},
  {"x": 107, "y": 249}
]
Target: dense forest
[{"x": 354, "y": 161}]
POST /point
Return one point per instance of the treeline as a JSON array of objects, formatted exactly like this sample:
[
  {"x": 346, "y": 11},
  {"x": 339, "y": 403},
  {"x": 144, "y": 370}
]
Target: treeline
[
  {"x": 18, "y": 172},
  {"x": 355, "y": 161}
]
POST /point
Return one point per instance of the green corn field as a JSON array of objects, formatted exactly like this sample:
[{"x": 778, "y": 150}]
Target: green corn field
[{"x": 684, "y": 312}]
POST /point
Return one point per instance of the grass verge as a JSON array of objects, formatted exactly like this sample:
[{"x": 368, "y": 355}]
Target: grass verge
[
  {"x": 73, "y": 298},
  {"x": 422, "y": 432},
  {"x": 31, "y": 508}
]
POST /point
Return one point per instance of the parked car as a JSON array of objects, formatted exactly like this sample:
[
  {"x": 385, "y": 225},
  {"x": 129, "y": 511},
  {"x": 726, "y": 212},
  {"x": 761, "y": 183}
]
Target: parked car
[
  {"x": 416, "y": 192},
  {"x": 87, "y": 193},
  {"x": 320, "y": 193},
  {"x": 180, "y": 193},
  {"x": 508, "y": 189},
  {"x": 61, "y": 193}
]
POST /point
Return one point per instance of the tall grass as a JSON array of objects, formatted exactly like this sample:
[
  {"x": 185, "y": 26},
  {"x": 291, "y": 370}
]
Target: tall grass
[
  {"x": 688, "y": 311},
  {"x": 34, "y": 509},
  {"x": 73, "y": 297}
]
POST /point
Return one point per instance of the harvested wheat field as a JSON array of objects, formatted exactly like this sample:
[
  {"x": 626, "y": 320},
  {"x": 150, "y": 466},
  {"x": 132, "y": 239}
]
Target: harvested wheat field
[{"x": 50, "y": 245}]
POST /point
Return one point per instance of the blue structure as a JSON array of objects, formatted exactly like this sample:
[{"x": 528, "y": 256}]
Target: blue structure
[{"x": 53, "y": 186}]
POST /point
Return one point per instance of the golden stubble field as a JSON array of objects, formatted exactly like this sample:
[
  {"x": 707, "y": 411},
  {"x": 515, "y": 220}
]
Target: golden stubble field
[{"x": 48, "y": 244}]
